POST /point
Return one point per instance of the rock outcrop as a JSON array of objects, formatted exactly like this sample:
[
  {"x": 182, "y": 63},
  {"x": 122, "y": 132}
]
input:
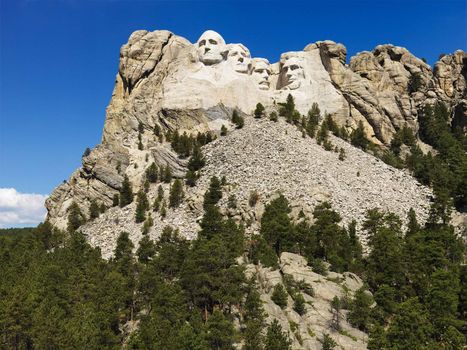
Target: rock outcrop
[
  {"x": 166, "y": 83},
  {"x": 306, "y": 331}
]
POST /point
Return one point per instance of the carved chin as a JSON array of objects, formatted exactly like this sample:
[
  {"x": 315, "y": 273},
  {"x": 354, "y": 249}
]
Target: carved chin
[
  {"x": 293, "y": 85},
  {"x": 209, "y": 59},
  {"x": 263, "y": 85},
  {"x": 241, "y": 68}
]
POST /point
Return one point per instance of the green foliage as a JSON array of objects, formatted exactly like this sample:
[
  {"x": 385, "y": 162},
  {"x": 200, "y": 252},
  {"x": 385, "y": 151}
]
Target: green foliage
[
  {"x": 299, "y": 304},
  {"x": 287, "y": 109},
  {"x": 167, "y": 174},
  {"x": 213, "y": 194},
  {"x": 359, "y": 315},
  {"x": 237, "y": 119},
  {"x": 276, "y": 339},
  {"x": 358, "y": 138},
  {"x": 276, "y": 226},
  {"x": 223, "y": 130},
  {"x": 126, "y": 192},
  {"x": 115, "y": 200},
  {"x": 328, "y": 342},
  {"x": 196, "y": 161},
  {"x": 176, "y": 194},
  {"x": 190, "y": 178},
  {"x": 259, "y": 110},
  {"x": 415, "y": 82},
  {"x": 342, "y": 155},
  {"x": 279, "y": 296},
  {"x": 94, "y": 210},
  {"x": 76, "y": 218},
  {"x": 142, "y": 205},
  {"x": 273, "y": 117},
  {"x": 314, "y": 115},
  {"x": 152, "y": 173},
  {"x": 220, "y": 332}
]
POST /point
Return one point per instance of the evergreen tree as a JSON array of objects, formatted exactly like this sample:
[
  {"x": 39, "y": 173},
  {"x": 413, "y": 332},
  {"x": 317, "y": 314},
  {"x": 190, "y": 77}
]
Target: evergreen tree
[
  {"x": 167, "y": 174},
  {"x": 176, "y": 194},
  {"x": 360, "y": 310},
  {"x": 328, "y": 342},
  {"x": 115, "y": 200},
  {"x": 223, "y": 130},
  {"x": 237, "y": 119},
  {"x": 196, "y": 161},
  {"x": 275, "y": 223},
  {"x": 142, "y": 205},
  {"x": 220, "y": 332},
  {"x": 279, "y": 295},
  {"x": 273, "y": 117},
  {"x": 314, "y": 114},
  {"x": 412, "y": 223},
  {"x": 276, "y": 339},
  {"x": 94, "y": 210},
  {"x": 410, "y": 328},
  {"x": 191, "y": 178},
  {"x": 76, "y": 217},
  {"x": 299, "y": 304},
  {"x": 358, "y": 138},
  {"x": 259, "y": 111},
  {"x": 214, "y": 193},
  {"x": 126, "y": 192},
  {"x": 151, "y": 173},
  {"x": 287, "y": 109},
  {"x": 254, "y": 320},
  {"x": 146, "y": 250}
]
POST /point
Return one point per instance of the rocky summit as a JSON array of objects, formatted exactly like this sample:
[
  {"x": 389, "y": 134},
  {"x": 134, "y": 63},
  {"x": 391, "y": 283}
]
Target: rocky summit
[
  {"x": 310, "y": 128},
  {"x": 166, "y": 82}
]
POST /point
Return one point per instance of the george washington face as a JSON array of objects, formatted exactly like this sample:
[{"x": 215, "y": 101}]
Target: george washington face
[{"x": 210, "y": 47}]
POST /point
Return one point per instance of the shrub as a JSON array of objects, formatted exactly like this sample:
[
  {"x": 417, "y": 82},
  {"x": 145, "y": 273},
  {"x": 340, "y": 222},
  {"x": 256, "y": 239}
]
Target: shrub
[
  {"x": 254, "y": 198},
  {"x": 279, "y": 296}
]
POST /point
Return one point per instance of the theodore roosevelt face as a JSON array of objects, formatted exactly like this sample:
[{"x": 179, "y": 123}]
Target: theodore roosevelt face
[
  {"x": 210, "y": 47},
  {"x": 261, "y": 72}
]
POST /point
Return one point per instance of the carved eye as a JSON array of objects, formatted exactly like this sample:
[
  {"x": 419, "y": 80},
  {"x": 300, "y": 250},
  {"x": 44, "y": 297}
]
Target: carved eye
[
  {"x": 212, "y": 41},
  {"x": 293, "y": 67},
  {"x": 202, "y": 43}
]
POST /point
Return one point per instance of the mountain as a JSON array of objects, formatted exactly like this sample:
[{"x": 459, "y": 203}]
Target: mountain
[{"x": 206, "y": 141}]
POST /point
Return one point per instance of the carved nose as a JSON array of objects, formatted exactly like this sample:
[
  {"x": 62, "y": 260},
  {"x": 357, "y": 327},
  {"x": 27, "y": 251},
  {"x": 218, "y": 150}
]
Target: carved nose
[{"x": 206, "y": 49}]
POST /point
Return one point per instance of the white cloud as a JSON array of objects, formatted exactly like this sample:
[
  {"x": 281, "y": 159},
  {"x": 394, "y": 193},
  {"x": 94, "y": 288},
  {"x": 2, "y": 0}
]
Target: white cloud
[{"x": 21, "y": 209}]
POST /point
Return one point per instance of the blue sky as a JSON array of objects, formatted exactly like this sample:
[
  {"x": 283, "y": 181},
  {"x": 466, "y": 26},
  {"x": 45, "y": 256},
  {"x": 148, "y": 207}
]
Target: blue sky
[{"x": 58, "y": 59}]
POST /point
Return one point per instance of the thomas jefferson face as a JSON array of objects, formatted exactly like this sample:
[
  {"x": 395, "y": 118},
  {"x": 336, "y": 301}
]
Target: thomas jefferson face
[
  {"x": 292, "y": 73},
  {"x": 239, "y": 58},
  {"x": 261, "y": 72},
  {"x": 210, "y": 47}
]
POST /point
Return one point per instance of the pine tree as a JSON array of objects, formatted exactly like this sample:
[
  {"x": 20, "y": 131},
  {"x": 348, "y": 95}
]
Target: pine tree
[
  {"x": 76, "y": 217},
  {"x": 336, "y": 313},
  {"x": 94, "y": 210},
  {"x": 359, "y": 315},
  {"x": 167, "y": 174},
  {"x": 237, "y": 119},
  {"x": 412, "y": 223},
  {"x": 142, "y": 205},
  {"x": 196, "y": 161},
  {"x": 163, "y": 210},
  {"x": 259, "y": 111},
  {"x": 220, "y": 332},
  {"x": 151, "y": 173},
  {"x": 358, "y": 138},
  {"x": 115, "y": 200},
  {"x": 279, "y": 295},
  {"x": 223, "y": 130},
  {"x": 299, "y": 304},
  {"x": 328, "y": 342},
  {"x": 146, "y": 250},
  {"x": 176, "y": 194},
  {"x": 190, "y": 178},
  {"x": 276, "y": 339},
  {"x": 273, "y": 117},
  {"x": 126, "y": 192},
  {"x": 214, "y": 193}
]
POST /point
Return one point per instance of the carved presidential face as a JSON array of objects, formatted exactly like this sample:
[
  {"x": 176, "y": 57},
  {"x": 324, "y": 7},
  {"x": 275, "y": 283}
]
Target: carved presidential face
[
  {"x": 239, "y": 58},
  {"x": 210, "y": 47},
  {"x": 292, "y": 73},
  {"x": 260, "y": 73}
]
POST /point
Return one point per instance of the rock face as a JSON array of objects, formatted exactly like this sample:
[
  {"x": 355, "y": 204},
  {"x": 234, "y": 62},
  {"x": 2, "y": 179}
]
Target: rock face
[
  {"x": 307, "y": 330},
  {"x": 168, "y": 83}
]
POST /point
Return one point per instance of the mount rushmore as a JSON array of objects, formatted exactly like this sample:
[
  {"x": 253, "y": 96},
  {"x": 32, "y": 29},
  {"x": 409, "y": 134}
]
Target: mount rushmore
[{"x": 165, "y": 82}]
